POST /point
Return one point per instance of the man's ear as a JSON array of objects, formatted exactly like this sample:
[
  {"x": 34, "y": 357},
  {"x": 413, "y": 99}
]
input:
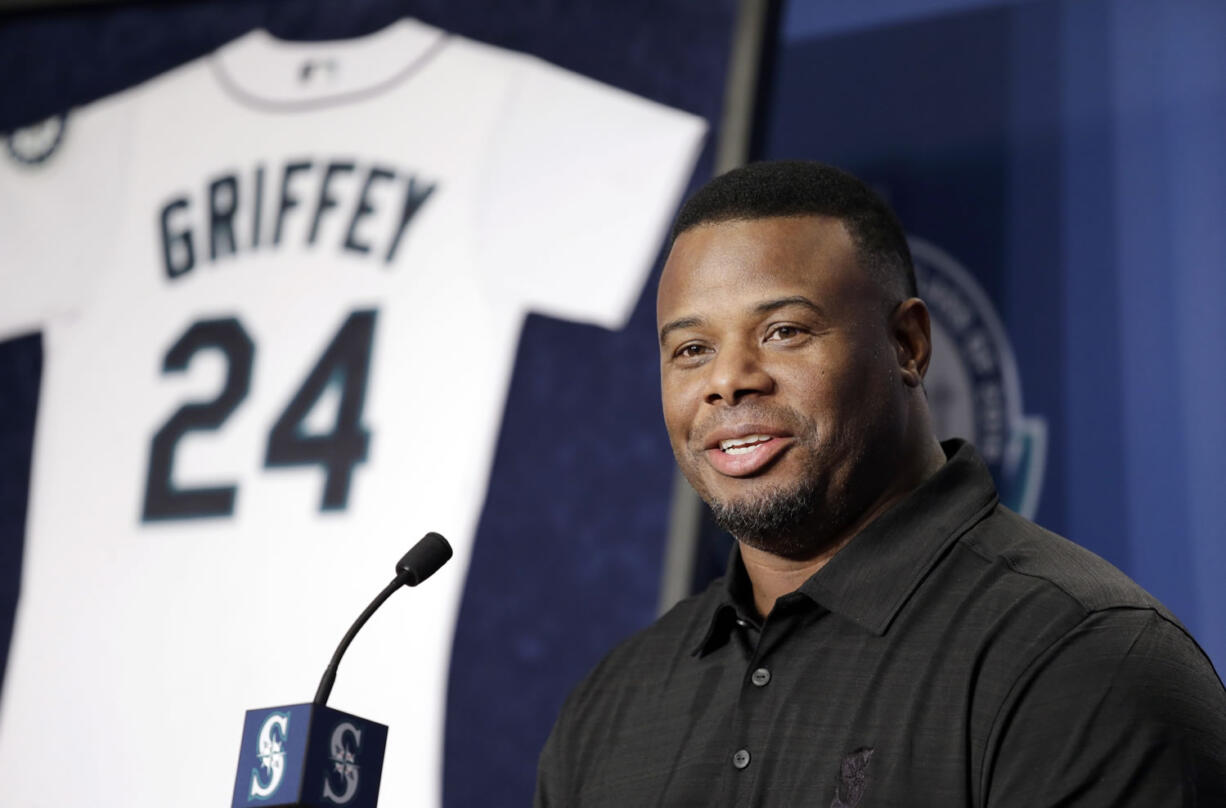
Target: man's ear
[{"x": 912, "y": 336}]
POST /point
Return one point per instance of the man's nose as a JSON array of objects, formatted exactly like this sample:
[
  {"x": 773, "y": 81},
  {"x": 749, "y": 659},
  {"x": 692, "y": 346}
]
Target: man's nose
[{"x": 736, "y": 372}]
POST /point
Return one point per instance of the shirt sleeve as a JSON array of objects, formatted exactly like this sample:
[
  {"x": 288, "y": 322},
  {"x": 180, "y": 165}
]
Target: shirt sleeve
[
  {"x": 582, "y": 185},
  {"x": 1125, "y": 711},
  {"x": 551, "y": 789},
  {"x": 60, "y": 190},
  {"x": 561, "y": 766}
]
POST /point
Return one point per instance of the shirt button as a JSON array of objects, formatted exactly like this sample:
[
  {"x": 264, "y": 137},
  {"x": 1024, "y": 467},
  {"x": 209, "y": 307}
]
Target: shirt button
[
  {"x": 741, "y": 758},
  {"x": 742, "y": 623},
  {"x": 760, "y": 677}
]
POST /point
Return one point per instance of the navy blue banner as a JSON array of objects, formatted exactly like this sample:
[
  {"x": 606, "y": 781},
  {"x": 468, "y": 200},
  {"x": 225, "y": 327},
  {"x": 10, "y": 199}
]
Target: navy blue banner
[{"x": 1060, "y": 167}]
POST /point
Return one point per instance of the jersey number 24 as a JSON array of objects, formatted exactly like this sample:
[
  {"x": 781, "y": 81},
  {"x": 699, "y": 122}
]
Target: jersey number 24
[{"x": 345, "y": 362}]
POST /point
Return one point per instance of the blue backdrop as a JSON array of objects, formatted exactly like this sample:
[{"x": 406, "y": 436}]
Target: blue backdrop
[{"x": 1070, "y": 155}]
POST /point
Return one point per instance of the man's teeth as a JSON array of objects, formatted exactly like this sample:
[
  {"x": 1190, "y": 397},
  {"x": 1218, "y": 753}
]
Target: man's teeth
[{"x": 742, "y": 445}]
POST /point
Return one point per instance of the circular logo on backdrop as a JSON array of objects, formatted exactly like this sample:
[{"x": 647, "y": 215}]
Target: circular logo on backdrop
[
  {"x": 972, "y": 382},
  {"x": 32, "y": 145}
]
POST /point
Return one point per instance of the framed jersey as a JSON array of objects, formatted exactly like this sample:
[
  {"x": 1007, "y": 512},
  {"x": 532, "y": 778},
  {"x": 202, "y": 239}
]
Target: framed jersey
[{"x": 280, "y": 290}]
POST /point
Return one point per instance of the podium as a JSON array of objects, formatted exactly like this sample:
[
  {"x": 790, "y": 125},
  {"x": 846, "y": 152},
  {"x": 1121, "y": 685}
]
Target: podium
[{"x": 309, "y": 756}]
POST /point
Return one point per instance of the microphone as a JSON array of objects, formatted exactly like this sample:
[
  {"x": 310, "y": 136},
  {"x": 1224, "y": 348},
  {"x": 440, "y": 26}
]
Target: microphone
[
  {"x": 419, "y": 563},
  {"x": 313, "y": 756},
  {"x": 423, "y": 559}
]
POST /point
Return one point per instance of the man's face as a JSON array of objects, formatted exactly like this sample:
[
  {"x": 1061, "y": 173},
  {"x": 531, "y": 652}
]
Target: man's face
[{"x": 780, "y": 379}]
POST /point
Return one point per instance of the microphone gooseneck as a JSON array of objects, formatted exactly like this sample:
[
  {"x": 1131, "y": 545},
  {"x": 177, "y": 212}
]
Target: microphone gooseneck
[{"x": 418, "y": 564}]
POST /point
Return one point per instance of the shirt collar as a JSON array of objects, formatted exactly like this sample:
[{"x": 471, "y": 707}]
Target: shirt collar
[
  {"x": 733, "y": 603},
  {"x": 870, "y": 579}
]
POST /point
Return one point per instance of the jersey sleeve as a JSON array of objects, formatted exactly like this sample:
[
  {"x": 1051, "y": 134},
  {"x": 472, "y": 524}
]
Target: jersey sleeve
[
  {"x": 60, "y": 188},
  {"x": 582, "y": 185},
  {"x": 1125, "y": 711}
]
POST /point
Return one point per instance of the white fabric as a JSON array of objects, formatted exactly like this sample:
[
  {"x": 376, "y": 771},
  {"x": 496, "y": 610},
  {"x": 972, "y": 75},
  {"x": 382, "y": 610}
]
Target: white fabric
[{"x": 140, "y": 644}]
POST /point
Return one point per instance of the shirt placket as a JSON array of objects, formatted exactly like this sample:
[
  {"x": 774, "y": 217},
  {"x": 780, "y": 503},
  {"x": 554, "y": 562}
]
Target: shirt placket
[{"x": 751, "y": 747}]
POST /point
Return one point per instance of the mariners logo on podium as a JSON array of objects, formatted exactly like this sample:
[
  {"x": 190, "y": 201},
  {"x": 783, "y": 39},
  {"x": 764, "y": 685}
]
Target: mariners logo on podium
[
  {"x": 266, "y": 778},
  {"x": 972, "y": 382},
  {"x": 310, "y": 756},
  {"x": 345, "y": 741}
]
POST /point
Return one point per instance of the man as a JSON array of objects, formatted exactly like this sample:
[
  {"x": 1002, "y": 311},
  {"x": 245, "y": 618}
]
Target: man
[{"x": 887, "y": 633}]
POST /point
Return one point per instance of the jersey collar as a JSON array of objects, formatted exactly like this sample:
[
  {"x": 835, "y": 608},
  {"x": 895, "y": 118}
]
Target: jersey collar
[{"x": 264, "y": 72}]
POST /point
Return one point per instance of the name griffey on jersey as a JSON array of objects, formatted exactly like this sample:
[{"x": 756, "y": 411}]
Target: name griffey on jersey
[{"x": 232, "y": 213}]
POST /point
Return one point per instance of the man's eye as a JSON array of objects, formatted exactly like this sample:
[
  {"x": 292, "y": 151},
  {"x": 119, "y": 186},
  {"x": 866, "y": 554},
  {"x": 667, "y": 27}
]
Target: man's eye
[
  {"x": 784, "y": 332},
  {"x": 689, "y": 351}
]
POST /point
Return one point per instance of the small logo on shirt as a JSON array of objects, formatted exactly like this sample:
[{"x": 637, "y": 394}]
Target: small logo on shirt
[
  {"x": 853, "y": 778},
  {"x": 316, "y": 70}
]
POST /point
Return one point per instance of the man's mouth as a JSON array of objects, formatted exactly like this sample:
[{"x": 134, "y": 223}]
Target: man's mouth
[
  {"x": 745, "y": 454},
  {"x": 735, "y": 446}
]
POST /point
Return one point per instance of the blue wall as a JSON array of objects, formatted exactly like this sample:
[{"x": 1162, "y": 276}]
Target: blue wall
[{"x": 1070, "y": 155}]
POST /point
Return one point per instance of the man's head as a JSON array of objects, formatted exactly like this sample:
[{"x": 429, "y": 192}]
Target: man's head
[
  {"x": 792, "y": 349},
  {"x": 800, "y": 188}
]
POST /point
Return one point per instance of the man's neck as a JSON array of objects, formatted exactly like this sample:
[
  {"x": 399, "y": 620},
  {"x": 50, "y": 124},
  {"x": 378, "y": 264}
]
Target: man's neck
[{"x": 773, "y": 576}]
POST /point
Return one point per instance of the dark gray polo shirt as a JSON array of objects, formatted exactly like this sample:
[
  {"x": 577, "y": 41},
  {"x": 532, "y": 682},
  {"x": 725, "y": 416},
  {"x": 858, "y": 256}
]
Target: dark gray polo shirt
[{"x": 952, "y": 654}]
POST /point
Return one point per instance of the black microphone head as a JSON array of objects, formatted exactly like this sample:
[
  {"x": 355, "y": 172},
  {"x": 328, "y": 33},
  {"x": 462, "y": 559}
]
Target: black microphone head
[{"x": 424, "y": 559}]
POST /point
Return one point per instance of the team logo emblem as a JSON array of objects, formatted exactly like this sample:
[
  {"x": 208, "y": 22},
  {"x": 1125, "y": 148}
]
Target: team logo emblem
[
  {"x": 853, "y": 778},
  {"x": 345, "y": 741},
  {"x": 33, "y": 144},
  {"x": 972, "y": 381},
  {"x": 266, "y": 779}
]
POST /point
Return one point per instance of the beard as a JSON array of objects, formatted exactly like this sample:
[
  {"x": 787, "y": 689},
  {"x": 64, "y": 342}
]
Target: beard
[
  {"x": 777, "y": 523},
  {"x": 796, "y": 523},
  {"x": 803, "y": 517},
  {"x": 800, "y": 520}
]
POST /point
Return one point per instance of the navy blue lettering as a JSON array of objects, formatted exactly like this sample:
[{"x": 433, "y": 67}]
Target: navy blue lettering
[
  {"x": 326, "y": 200},
  {"x": 223, "y": 201},
  {"x": 287, "y": 200},
  {"x": 346, "y": 190},
  {"x": 177, "y": 251},
  {"x": 257, "y": 207},
  {"x": 364, "y": 209},
  {"x": 415, "y": 196}
]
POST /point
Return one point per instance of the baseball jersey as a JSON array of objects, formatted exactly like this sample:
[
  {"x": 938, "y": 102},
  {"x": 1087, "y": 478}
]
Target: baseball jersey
[{"x": 280, "y": 290}]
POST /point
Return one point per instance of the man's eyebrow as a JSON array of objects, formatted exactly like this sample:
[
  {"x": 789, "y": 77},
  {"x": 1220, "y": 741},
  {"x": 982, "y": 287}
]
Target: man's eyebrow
[
  {"x": 783, "y": 302},
  {"x": 765, "y": 307},
  {"x": 684, "y": 322}
]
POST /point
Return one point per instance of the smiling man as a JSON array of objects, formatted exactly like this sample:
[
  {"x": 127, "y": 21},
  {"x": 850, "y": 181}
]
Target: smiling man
[{"x": 887, "y": 633}]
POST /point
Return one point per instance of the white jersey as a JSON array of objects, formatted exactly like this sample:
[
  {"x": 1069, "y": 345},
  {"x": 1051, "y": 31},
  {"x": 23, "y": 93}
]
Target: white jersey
[{"x": 280, "y": 289}]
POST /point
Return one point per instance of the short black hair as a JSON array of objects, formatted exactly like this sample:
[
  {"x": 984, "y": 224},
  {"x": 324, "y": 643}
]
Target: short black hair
[{"x": 803, "y": 188}]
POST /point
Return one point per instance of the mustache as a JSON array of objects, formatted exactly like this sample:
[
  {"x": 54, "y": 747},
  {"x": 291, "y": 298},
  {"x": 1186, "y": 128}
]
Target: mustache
[{"x": 784, "y": 418}]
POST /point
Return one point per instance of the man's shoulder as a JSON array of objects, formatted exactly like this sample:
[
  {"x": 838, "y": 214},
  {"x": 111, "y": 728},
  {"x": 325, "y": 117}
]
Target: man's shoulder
[
  {"x": 1095, "y": 672},
  {"x": 675, "y": 633},
  {"x": 1011, "y": 593},
  {"x": 1036, "y": 558},
  {"x": 649, "y": 654}
]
